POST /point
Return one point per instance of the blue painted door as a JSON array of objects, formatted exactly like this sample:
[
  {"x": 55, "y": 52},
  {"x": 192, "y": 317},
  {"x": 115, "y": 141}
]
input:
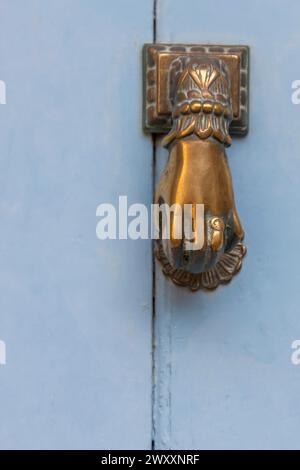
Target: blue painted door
[
  {"x": 87, "y": 360},
  {"x": 225, "y": 374},
  {"x": 75, "y": 312}
]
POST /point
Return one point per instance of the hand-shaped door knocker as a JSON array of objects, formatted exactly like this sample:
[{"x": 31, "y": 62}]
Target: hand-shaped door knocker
[{"x": 198, "y": 91}]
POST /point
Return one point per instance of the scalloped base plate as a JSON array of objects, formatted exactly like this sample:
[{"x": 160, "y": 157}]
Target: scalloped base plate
[{"x": 222, "y": 273}]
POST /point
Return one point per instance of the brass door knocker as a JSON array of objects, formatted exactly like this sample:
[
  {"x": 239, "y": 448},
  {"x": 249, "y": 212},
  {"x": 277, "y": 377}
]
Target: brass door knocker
[{"x": 200, "y": 95}]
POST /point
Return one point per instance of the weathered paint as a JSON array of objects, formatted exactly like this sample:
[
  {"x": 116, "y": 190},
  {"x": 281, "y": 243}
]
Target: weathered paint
[{"x": 223, "y": 360}]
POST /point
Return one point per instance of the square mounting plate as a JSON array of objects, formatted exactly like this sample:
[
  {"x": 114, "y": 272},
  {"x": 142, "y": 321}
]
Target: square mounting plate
[{"x": 157, "y": 61}]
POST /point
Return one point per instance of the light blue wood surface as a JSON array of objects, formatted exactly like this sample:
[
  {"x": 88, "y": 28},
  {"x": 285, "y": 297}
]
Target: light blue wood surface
[
  {"x": 75, "y": 312},
  {"x": 224, "y": 378}
]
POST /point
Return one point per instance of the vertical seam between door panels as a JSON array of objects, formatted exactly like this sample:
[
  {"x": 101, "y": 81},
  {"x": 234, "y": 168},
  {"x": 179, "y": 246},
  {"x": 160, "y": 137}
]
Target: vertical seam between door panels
[
  {"x": 161, "y": 332},
  {"x": 153, "y": 323}
]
